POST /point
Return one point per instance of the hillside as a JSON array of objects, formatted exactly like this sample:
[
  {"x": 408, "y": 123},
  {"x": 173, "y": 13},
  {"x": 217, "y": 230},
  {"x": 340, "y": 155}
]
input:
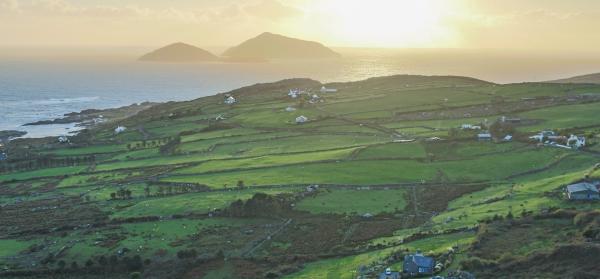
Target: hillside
[
  {"x": 591, "y": 78},
  {"x": 180, "y": 53},
  {"x": 234, "y": 186},
  {"x": 273, "y": 46}
]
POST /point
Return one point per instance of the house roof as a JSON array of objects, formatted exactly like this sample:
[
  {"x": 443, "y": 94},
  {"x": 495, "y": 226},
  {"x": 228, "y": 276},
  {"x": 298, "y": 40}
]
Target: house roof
[
  {"x": 420, "y": 260},
  {"x": 582, "y": 187}
]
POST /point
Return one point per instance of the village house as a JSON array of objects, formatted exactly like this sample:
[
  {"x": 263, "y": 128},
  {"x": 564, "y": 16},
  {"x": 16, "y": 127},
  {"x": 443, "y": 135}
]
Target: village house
[
  {"x": 120, "y": 129},
  {"x": 230, "y": 100},
  {"x": 418, "y": 264},
  {"x": 328, "y": 90},
  {"x": 301, "y": 119},
  {"x": 583, "y": 191}
]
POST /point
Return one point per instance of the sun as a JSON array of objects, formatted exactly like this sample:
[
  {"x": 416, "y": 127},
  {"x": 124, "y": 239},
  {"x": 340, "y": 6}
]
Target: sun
[{"x": 388, "y": 23}]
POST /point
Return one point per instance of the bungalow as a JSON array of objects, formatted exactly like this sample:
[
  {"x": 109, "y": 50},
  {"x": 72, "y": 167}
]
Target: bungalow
[
  {"x": 120, "y": 129},
  {"x": 301, "y": 119},
  {"x": 230, "y": 100},
  {"x": 484, "y": 136},
  {"x": 417, "y": 264},
  {"x": 328, "y": 90},
  {"x": 583, "y": 191},
  {"x": 389, "y": 274}
]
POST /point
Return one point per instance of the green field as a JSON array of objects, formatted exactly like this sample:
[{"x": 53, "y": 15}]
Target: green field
[{"x": 354, "y": 201}]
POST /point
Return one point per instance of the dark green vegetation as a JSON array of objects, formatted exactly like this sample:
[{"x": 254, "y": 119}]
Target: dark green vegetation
[{"x": 202, "y": 189}]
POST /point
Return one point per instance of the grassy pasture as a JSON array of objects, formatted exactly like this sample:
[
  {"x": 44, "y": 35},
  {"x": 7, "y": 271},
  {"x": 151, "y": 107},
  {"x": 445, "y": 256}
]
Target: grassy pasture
[
  {"x": 340, "y": 201},
  {"x": 393, "y": 150},
  {"x": 50, "y": 172},
  {"x": 563, "y": 117},
  {"x": 188, "y": 203}
]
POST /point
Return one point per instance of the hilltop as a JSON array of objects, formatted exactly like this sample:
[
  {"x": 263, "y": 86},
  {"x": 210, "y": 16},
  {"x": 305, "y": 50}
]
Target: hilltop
[
  {"x": 179, "y": 52},
  {"x": 591, "y": 78},
  {"x": 273, "y": 46}
]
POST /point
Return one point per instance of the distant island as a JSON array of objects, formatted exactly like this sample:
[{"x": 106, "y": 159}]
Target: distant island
[
  {"x": 264, "y": 47},
  {"x": 273, "y": 46},
  {"x": 591, "y": 78},
  {"x": 180, "y": 53}
]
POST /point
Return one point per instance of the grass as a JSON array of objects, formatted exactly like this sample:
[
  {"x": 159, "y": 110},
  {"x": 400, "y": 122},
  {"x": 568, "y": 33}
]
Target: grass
[
  {"x": 51, "y": 172},
  {"x": 266, "y": 161},
  {"x": 393, "y": 150},
  {"x": 11, "y": 247},
  {"x": 188, "y": 203},
  {"x": 339, "y": 201},
  {"x": 563, "y": 117}
]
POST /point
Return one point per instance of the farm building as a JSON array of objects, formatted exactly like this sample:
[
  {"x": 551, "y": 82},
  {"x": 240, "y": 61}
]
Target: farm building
[
  {"x": 418, "y": 264},
  {"x": 583, "y": 191},
  {"x": 328, "y": 90},
  {"x": 301, "y": 119},
  {"x": 389, "y": 274},
  {"x": 120, "y": 129},
  {"x": 484, "y": 136},
  {"x": 230, "y": 100}
]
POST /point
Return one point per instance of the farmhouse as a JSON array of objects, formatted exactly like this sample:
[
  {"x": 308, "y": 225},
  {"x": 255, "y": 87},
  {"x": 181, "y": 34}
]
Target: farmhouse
[
  {"x": 230, "y": 100},
  {"x": 583, "y": 191},
  {"x": 328, "y": 90},
  {"x": 301, "y": 119},
  {"x": 417, "y": 264},
  {"x": 120, "y": 129}
]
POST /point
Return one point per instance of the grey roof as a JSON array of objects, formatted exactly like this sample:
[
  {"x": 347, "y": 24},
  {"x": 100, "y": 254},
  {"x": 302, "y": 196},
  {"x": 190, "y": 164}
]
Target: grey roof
[
  {"x": 420, "y": 260},
  {"x": 582, "y": 187}
]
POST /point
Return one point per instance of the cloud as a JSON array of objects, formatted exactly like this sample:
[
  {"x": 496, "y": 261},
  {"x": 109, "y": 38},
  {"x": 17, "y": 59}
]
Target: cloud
[
  {"x": 9, "y": 6},
  {"x": 272, "y": 10}
]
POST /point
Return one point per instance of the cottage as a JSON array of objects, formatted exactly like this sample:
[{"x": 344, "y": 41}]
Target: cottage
[
  {"x": 417, "y": 264},
  {"x": 328, "y": 90},
  {"x": 484, "y": 136},
  {"x": 583, "y": 191},
  {"x": 64, "y": 139},
  {"x": 120, "y": 129},
  {"x": 301, "y": 119},
  {"x": 576, "y": 142},
  {"x": 230, "y": 100},
  {"x": 389, "y": 274}
]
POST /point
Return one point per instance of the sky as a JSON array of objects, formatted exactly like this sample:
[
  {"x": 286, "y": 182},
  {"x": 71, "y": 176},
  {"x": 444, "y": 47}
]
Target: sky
[{"x": 555, "y": 25}]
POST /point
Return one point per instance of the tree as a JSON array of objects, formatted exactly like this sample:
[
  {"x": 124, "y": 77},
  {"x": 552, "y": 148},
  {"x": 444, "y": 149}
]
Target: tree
[
  {"x": 240, "y": 184},
  {"x": 89, "y": 263},
  {"x": 74, "y": 265},
  {"x": 61, "y": 264},
  {"x": 113, "y": 195}
]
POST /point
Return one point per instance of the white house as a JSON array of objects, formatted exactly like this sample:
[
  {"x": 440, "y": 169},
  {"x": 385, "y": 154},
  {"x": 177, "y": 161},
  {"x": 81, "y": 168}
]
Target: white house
[
  {"x": 576, "y": 142},
  {"x": 328, "y": 90},
  {"x": 301, "y": 119},
  {"x": 230, "y": 100},
  {"x": 484, "y": 136},
  {"x": 120, "y": 129},
  {"x": 508, "y": 138},
  {"x": 293, "y": 93},
  {"x": 63, "y": 139},
  {"x": 290, "y": 109}
]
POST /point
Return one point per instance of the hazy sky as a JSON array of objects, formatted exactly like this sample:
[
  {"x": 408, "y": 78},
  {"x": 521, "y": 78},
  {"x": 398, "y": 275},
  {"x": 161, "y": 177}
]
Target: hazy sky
[{"x": 519, "y": 24}]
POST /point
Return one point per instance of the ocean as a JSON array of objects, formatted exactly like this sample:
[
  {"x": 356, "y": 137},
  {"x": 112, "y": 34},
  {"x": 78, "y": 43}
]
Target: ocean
[{"x": 33, "y": 89}]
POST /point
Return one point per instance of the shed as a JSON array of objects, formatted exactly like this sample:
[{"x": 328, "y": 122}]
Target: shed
[
  {"x": 418, "y": 264},
  {"x": 583, "y": 191}
]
